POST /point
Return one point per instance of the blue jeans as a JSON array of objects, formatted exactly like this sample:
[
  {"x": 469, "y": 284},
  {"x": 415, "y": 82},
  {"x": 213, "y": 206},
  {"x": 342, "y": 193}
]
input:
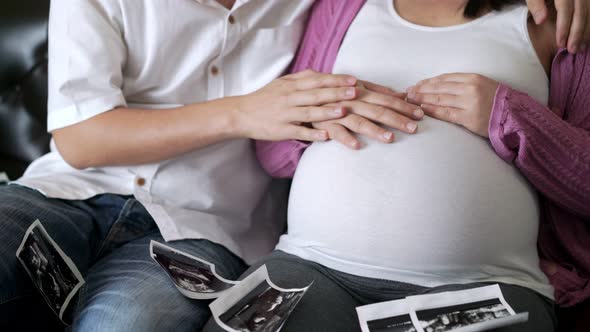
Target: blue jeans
[{"x": 108, "y": 238}]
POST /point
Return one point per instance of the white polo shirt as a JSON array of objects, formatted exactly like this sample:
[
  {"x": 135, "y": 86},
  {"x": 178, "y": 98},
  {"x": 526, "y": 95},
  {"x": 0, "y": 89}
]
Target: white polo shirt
[{"x": 163, "y": 54}]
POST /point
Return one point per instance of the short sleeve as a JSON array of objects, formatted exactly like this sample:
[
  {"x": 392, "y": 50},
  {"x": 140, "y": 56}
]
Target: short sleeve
[{"x": 86, "y": 58}]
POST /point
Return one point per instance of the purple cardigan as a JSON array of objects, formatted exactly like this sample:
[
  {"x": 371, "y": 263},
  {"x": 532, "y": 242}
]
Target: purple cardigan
[{"x": 552, "y": 151}]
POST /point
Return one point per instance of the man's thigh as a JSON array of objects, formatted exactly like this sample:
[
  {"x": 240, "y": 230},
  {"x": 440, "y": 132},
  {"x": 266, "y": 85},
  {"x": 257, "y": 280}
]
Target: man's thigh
[
  {"x": 70, "y": 224},
  {"x": 327, "y": 306},
  {"x": 127, "y": 291},
  {"x": 541, "y": 310}
]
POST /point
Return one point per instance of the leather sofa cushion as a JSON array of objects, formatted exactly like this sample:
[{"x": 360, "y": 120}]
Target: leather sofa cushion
[{"x": 23, "y": 83}]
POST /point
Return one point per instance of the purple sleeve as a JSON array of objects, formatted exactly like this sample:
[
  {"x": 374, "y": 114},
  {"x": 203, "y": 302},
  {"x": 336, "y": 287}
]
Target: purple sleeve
[
  {"x": 280, "y": 159},
  {"x": 552, "y": 153}
]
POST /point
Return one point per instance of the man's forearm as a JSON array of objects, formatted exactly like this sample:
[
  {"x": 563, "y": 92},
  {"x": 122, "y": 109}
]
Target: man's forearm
[{"x": 127, "y": 136}]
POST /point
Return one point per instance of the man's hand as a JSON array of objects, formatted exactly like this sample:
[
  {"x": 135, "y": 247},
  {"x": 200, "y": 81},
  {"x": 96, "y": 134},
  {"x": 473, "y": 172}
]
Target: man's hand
[
  {"x": 375, "y": 105},
  {"x": 573, "y": 28},
  {"x": 463, "y": 99},
  {"x": 279, "y": 110}
]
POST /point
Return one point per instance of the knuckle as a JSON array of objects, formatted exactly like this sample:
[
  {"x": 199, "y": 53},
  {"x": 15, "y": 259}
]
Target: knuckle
[
  {"x": 286, "y": 99},
  {"x": 472, "y": 88},
  {"x": 380, "y": 113},
  {"x": 315, "y": 97},
  {"x": 324, "y": 80},
  {"x": 308, "y": 115},
  {"x": 356, "y": 122},
  {"x": 365, "y": 125}
]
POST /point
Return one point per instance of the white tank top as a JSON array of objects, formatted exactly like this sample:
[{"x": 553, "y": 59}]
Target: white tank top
[{"x": 433, "y": 208}]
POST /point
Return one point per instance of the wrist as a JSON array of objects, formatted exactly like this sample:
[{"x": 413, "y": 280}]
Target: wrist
[{"x": 233, "y": 117}]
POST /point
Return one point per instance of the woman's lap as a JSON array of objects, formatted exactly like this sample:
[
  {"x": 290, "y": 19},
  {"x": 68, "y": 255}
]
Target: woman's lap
[{"x": 330, "y": 303}]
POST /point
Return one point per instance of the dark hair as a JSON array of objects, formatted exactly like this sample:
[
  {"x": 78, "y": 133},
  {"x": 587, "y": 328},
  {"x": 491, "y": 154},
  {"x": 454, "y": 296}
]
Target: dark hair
[{"x": 474, "y": 7}]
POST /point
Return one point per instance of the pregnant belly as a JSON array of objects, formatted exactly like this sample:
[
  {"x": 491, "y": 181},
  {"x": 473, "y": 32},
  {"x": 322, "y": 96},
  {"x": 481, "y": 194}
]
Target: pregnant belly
[{"x": 441, "y": 197}]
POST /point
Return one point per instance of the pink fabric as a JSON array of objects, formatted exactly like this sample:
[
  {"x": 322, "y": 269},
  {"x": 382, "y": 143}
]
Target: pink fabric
[{"x": 552, "y": 151}]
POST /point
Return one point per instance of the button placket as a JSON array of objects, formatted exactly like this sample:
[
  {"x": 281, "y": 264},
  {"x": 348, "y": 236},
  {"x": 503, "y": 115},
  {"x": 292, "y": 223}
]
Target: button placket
[
  {"x": 142, "y": 182},
  {"x": 216, "y": 75}
]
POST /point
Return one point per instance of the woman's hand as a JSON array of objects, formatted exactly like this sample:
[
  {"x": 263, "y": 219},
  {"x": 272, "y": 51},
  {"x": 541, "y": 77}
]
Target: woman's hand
[
  {"x": 463, "y": 99},
  {"x": 375, "y": 105},
  {"x": 573, "y": 26},
  {"x": 279, "y": 110}
]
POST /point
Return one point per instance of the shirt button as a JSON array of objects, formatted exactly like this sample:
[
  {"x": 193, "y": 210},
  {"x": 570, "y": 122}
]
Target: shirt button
[
  {"x": 140, "y": 182},
  {"x": 231, "y": 19},
  {"x": 214, "y": 70}
]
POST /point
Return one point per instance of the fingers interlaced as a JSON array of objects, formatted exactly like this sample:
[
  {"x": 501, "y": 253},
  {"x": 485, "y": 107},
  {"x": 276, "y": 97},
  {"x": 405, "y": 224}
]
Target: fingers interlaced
[
  {"x": 340, "y": 134},
  {"x": 394, "y": 103},
  {"x": 306, "y": 134},
  {"x": 363, "y": 126},
  {"x": 382, "y": 115}
]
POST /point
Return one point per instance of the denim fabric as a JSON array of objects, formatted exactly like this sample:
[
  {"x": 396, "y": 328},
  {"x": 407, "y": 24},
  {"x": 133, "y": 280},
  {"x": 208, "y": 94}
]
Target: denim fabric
[
  {"x": 108, "y": 238},
  {"x": 331, "y": 301}
]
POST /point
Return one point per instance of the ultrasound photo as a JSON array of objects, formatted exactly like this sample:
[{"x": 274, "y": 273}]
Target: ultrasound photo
[
  {"x": 52, "y": 272},
  {"x": 401, "y": 323},
  {"x": 454, "y": 317},
  {"x": 264, "y": 309},
  {"x": 256, "y": 305},
  {"x": 470, "y": 310},
  {"x": 389, "y": 316},
  {"x": 194, "y": 277}
]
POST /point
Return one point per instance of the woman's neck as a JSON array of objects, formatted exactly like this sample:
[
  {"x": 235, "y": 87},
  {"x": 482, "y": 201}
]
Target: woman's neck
[{"x": 434, "y": 13}]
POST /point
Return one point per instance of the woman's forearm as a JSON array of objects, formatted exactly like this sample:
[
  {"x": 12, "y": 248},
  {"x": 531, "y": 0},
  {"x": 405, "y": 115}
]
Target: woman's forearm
[{"x": 553, "y": 154}]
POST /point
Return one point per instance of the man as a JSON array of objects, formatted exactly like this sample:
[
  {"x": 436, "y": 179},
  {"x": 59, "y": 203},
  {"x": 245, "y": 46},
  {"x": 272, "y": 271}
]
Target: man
[{"x": 151, "y": 106}]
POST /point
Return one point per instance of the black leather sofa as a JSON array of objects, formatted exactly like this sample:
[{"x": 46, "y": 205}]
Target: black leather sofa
[
  {"x": 23, "y": 84},
  {"x": 23, "y": 136}
]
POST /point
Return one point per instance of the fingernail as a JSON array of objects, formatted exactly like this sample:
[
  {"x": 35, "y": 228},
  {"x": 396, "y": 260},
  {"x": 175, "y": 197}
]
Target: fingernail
[
  {"x": 418, "y": 113},
  {"x": 354, "y": 144},
  {"x": 411, "y": 126},
  {"x": 351, "y": 80},
  {"x": 574, "y": 49},
  {"x": 338, "y": 111},
  {"x": 388, "y": 136},
  {"x": 350, "y": 92}
]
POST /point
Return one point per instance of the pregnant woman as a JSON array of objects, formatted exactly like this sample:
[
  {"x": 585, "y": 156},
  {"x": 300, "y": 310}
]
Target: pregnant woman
[{"x": 455, "y": 205}]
